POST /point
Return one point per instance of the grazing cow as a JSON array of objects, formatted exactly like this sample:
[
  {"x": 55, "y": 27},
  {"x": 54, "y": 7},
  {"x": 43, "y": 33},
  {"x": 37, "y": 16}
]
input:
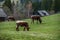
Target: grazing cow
[
  {"x": 11, "y": 18},
  {"x": 36, "y": 17},
  {"x": 22, "y": 24}
]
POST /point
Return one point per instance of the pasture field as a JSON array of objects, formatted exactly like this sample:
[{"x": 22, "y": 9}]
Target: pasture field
[{"x": 48, "y": 30}]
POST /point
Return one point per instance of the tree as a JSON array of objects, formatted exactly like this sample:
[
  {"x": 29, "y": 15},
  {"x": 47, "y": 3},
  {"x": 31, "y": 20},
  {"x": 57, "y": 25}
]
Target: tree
[
  {"x": 57, "y": 5},
  {"x": 8, "y": 4},
  {"x": 43, "y": 2},
  {"x": 53, "y": 4},
  {"x": 46, "y": 4},
  {"x": 36, "y": 5}
]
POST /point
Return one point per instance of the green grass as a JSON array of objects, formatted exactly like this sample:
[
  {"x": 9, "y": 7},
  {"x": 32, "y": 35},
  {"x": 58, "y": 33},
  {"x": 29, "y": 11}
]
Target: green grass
[{"x": 48, "y": 30}]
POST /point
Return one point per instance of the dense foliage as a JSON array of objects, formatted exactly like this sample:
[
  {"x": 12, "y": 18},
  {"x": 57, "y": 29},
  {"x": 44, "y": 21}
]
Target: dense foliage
[
  {"x": 57, "y": 5},
  {"x": 42, "y": 5},
  {"x": 47, "y": 5},
  {"x": 8, "y": 4}
]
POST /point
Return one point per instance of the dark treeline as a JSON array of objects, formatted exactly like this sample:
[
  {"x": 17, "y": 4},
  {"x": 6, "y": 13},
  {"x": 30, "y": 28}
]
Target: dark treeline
[
  {"x": 42, "y": 5},
  {"x": 57, "y": 5},
  {"x": 47, "y": 5}
]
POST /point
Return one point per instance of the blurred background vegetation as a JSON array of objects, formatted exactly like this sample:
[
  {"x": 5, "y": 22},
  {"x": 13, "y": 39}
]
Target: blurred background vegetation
[{"x": 19, "y": 6}]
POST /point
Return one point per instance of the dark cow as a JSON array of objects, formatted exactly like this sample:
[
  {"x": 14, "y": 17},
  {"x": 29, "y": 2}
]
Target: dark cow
[
  {"x": 22, "y": 24},
  {"x": 36, "y": 17},
  {"x": 11, "y": 18}
]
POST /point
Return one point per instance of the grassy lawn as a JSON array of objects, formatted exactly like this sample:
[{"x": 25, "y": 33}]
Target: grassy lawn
[{"x": 48, "y": 30}]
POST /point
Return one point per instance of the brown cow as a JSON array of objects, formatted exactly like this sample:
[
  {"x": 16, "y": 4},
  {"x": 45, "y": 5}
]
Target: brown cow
[
  {"x": 11, "y": 18},
  {"x": 22, "y": 24},
  {"x": 36, "y": 17}
]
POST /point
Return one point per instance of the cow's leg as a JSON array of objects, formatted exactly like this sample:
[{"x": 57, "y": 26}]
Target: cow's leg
[
  {"x": 28, "y": 29},
  {"x": 40, "y": 20},
  {"x": 37, "y": 21},
  {"x": 32, "y": 20},
  {"x": 17, "y": 27},
  {"x": 8, "y": 19},
  {"x": 24, "y": 29}
]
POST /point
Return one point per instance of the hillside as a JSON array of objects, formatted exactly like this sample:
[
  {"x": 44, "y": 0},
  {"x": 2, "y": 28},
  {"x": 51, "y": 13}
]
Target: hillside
[{"x": 48, "y": 30}]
